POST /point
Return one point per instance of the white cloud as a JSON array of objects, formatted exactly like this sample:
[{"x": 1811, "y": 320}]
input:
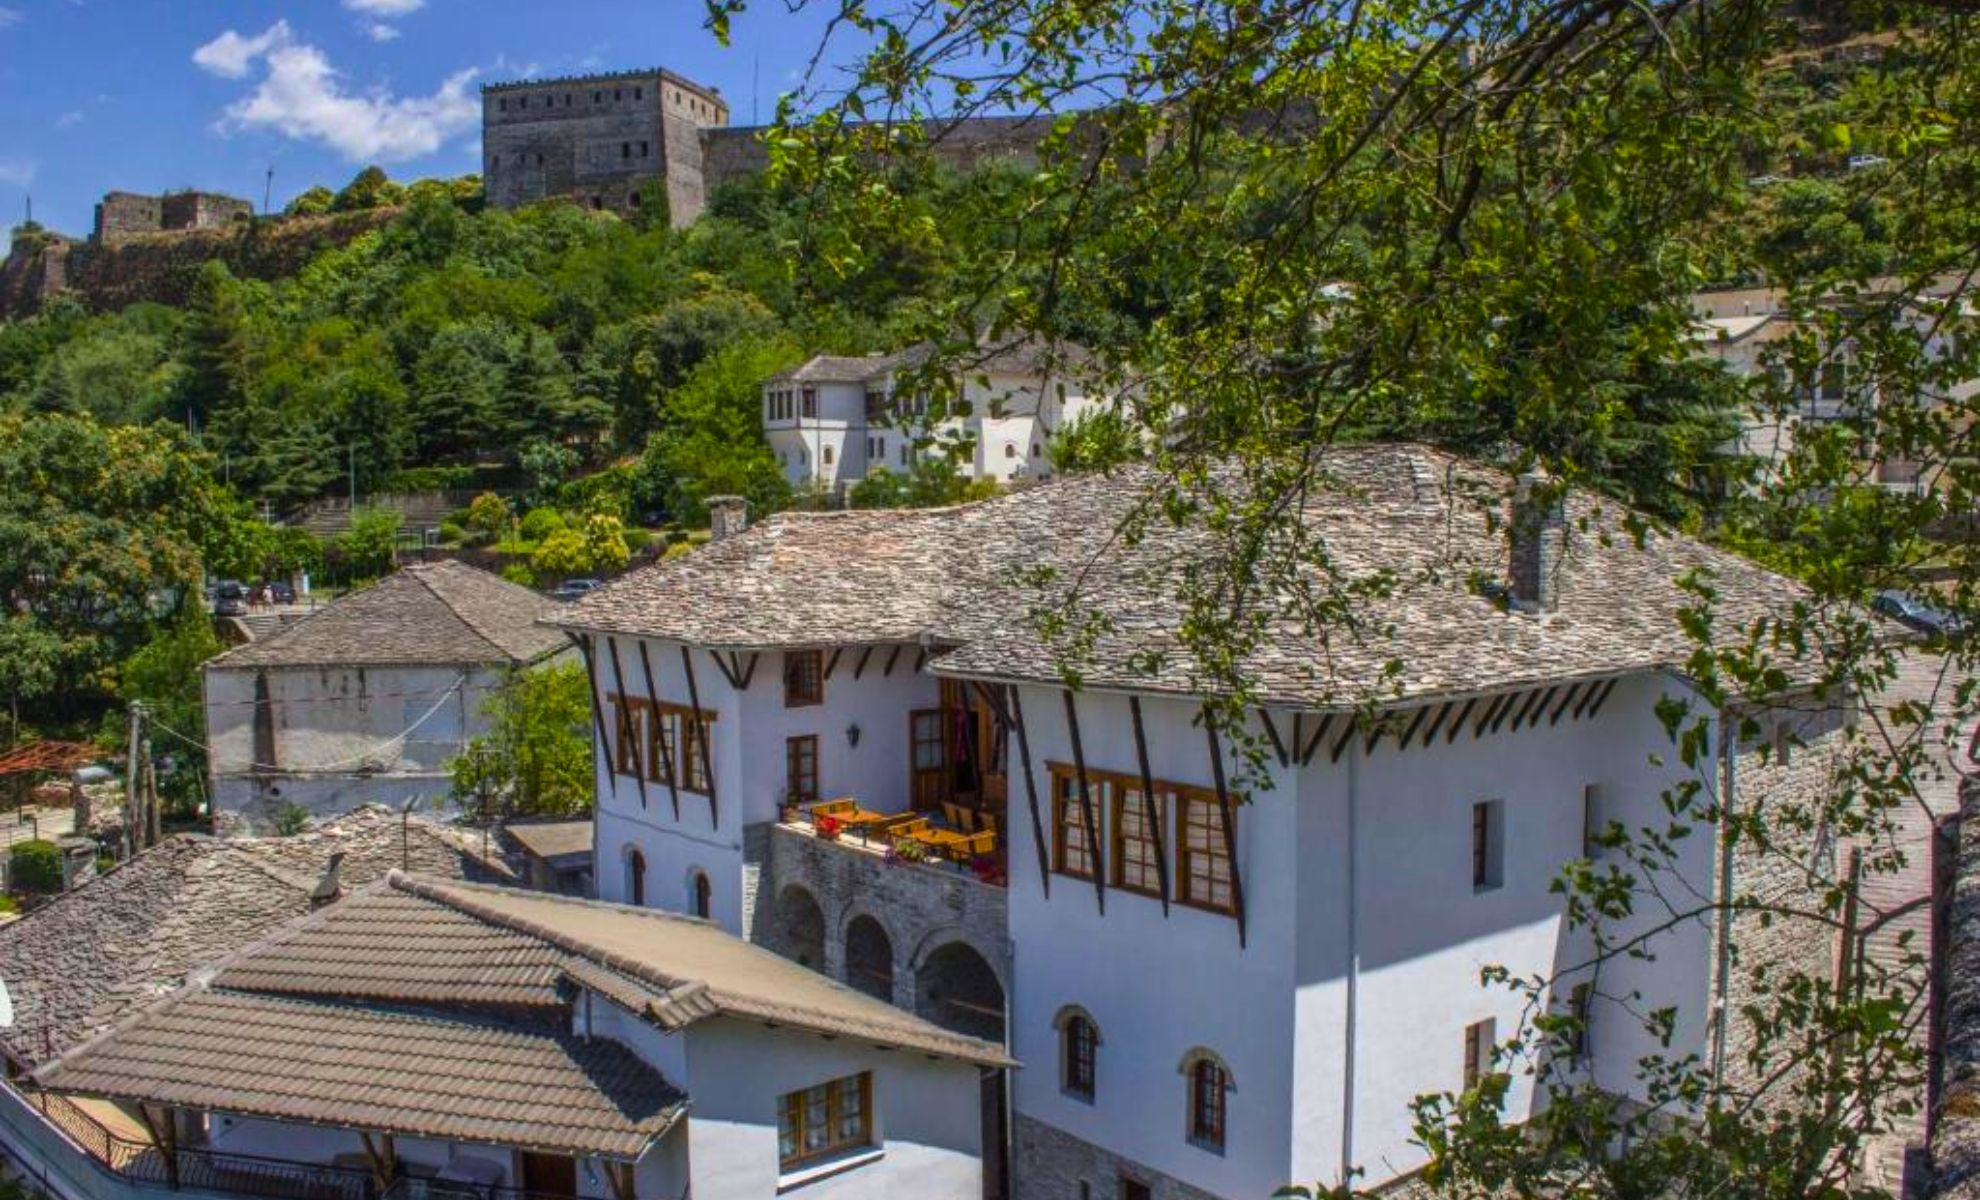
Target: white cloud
[
  {"x": 10, "y": 17},
  {"x": 69, "y": 120},
  {"x": 230, "y": 54},
  {"x": 385, "y": 8},
  {"x": 18, "y": 171},
  {"x": 302, "y": 96},
  {"x": 379, "y": 31}
]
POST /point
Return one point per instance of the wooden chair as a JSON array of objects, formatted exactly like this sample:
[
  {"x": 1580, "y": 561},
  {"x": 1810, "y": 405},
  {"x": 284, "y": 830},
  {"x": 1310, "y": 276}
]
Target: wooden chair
[{"x": 832, "y": 808}]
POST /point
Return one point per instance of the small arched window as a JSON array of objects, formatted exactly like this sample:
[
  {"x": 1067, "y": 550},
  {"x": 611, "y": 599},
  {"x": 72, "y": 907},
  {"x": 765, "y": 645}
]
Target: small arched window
[
  {"x": 828, "y": 456},
  {"x": 1209, "y": 1083},
  {"x": 1010, "y": 450},
  {"x": 700, "y": 894},
  {"x": 635, "y": 877},
  {"x": 1079, "y": 1052}
]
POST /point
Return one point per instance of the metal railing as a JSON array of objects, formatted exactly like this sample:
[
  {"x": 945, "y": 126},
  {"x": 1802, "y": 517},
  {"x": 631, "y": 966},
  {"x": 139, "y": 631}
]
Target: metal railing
[
  {"x": 197, "y": 1167},
  {"x": 409, "y": 1188}
]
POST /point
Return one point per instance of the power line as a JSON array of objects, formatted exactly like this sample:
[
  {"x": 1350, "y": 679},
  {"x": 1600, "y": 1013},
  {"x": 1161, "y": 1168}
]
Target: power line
[{"x": 359, "y": 760}]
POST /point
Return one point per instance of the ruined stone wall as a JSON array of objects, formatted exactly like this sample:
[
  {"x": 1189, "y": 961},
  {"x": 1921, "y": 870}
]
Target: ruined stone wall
[
  {"x": 965, "y": 145},
  {"x": 126, "y": 214},
  {"x": 201, "y": 210},
  {"x": 162, "y": 267}
]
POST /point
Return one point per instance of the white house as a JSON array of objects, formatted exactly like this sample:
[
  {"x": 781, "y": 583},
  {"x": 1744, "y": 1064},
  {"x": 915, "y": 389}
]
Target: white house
[
  {"x": 1750, "y": 330},
  {"x": 427, "y": 1038},
  {"x": 834, "y": 419},
  {"x": 849, "y": 736},
  {"x": 367, "y": 699}
]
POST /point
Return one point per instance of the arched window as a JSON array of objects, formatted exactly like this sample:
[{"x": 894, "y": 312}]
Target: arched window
[
  {"x": 1210, "y": 1083},
  {"x": 1079, "y": 1052},
  {"x": 635, "y": 877},
  {"x": 1010, "y": 450},
  {"x": 700, "y": 893}
]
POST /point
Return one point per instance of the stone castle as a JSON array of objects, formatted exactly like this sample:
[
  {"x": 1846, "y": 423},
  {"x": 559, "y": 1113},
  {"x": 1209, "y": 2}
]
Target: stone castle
[
  {"x": 599, "y": 140},
  {"x": 126, "y": 214}
]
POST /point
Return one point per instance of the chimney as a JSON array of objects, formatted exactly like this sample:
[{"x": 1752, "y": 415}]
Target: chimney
[
  {"x": 329, "y": 888},
  {"x": 1539, "y": 540},
  {"x": 727, "y": 516}
]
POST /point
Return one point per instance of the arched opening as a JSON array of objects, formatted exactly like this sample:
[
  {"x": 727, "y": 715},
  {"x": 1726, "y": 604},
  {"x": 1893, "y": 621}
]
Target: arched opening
[
  {"x": 701, "y": 894},
  {"x": 1209, "y": 1084},
  {"x": 1079, "y": 1052},
  {"x": 870, "y": 958},
  {"x": 957, "y": 990},
  {"x": 800, "y": 928},
  {"x": 635, "y": 877}
]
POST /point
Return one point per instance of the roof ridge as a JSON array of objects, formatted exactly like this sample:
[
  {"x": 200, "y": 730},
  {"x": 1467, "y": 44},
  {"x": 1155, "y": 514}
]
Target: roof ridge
[{"x": 419, "y": 572}]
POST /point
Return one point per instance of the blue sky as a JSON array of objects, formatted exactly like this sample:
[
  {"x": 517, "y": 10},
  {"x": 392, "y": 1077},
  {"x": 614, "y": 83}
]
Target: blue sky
[{"x": 148, "y": 95}]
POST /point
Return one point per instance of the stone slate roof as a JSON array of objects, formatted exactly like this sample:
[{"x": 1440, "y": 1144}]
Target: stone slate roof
[
  {"x": 552, "y": 839},
  {"x": 1428, "y": 525},
  {"x": 678, "y": 970},
  {"x": 1024, "y": 356},
  {"x": 472, "y": 1077},
  {"x": 92, "y": 956},
  {"x": 443, "y": 613}
]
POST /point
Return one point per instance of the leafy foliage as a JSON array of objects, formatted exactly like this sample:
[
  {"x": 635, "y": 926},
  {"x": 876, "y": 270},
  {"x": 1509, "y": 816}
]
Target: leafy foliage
[
  {"x": 536, "y": 759},
  {"x": 35, "y": 867}
]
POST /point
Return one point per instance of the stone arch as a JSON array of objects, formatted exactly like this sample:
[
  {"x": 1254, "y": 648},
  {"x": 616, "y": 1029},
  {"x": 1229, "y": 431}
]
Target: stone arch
[
  {"x": 869, "y": 957},
  {"x": 958, "y": 989},
  {"x": 1204, "y": 1054},
  {"x": 800, "y": 927}
]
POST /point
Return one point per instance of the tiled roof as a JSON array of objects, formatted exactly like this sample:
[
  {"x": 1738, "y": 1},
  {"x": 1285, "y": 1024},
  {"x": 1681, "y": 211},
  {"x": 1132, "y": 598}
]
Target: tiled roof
[
  {"x": 552, "y": 839},
  {"x": 687, "y": 969},
  {"x": 119, "y": 942},
  {"x": 1425, "y": 525},
  {"x": 442, "y": 613},
  {"x": 459, "y": 1076},
  {"x": 1020, "y": 356}
]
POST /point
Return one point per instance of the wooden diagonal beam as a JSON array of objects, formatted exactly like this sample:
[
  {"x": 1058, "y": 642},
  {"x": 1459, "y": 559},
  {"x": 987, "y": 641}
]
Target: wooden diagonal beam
[
  {"x": 1229, "y": 823},
  {"x": 1149, "y": 814},
  {"x": 1596, "y": 708},
  {"x": 1491, "y": 711},
  {"x": 832, "y": 663},
  {"x": 1313, "y": 742},
  {"x": 1093, "y": 846},
  {"x": 598, "y": 716},
  {"x": 1567, "y": 699},
  {"x": 892, "y": 658},
  {"x": 1535, "y": 705},
  {"x": 639, "y": 751},
  {"x": 1347, "y": 735},
  {"x": 728, "y": 671},
  {"x": 1031, "y": 793},
  {"x": 859, "y": 668},
  {"x": 749, "y": 672},
  {"x": 661, "y": 750},
  {"x": 1457, "y": 726},
  {"x": 1402, "y": 743},
  {"x": 1272, "y": 734},
  {"x": 1430, "y": 734},
  {"x": 700, "y": 734},
  {"x": 1512, "y": 702}
]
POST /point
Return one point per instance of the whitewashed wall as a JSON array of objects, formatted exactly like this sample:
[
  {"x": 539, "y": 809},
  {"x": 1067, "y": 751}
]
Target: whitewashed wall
[
  {"x": 1278, "y": 1010},
  {"x": 746, "y": 743}
]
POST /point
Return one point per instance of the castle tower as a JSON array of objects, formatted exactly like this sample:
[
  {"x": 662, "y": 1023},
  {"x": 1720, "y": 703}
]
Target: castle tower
[{"x": 599, "y": 140}]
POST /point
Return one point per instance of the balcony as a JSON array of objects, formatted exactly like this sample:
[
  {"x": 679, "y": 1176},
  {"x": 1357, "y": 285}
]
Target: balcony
[{"x": 145, "y": 1168}]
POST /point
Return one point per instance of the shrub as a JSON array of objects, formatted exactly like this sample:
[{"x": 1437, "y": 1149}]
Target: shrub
[
  {"x": 678, "y": 549},
  {"x": 519, "y": 572},
  {"x": 541, "y": 523},
  {"x": 453, "y": 534},
  {"x": 488, "y": 514},
  {"x": 564, "y": 552},
  {"x": 36, "y": 866},
  {"x": 291, "y": 820}
]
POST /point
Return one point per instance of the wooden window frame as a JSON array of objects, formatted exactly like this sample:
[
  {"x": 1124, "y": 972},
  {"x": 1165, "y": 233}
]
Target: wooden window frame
[
  {"x": 1079, "y": 1058},
  {"x": 795, "y": 748},
  {"x": 1478, "y": 1039},
  {"x": 1066, "y": 812},
  {"x": 670, "y": 729},
  {"x": 794, "y": 697},
  {"x": 1185, "y": 894},
  {"x": 1127, "y": 804},
  {"x": 628, "y": 748},
  {"x": 1209, "y": 1104},
  {"x": 791, "y": 1109}
]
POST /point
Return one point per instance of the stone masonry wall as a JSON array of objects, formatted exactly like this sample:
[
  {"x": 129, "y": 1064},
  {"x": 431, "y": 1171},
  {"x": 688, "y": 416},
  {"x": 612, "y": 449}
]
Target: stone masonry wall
[
  {"x": 1048, "y": 1163},
  {"x": 921, "y": 908},
  {"x": 1955, "y": 1139}
]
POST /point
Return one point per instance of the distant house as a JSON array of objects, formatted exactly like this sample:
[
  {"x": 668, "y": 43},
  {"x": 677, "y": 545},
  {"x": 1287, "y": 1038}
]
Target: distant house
[
  {"x": 556, "y": 855},
  {"x": 368, "y": 699},
  {"x": 835, "y": 420},
  {"x": 428, "y": 1038}
]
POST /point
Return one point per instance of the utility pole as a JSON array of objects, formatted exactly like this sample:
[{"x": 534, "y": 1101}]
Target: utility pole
[
  {"x": 133, "y": 782},
  {"x": 267, "y": 189},
  {"x": 353, "y": 453}
]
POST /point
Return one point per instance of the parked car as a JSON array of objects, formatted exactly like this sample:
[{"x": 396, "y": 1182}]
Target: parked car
[
  {"x": 281, "y": 592},
  {"x": 575, "y": 589},
  {"x": 1910, "y": 610},
  {"x": 230, "y": 599}
]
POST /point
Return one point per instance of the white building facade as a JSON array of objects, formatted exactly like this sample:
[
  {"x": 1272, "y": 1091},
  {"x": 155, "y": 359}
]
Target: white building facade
[
  {"x": 1245, "y": 983},
  {"x": 834, "y": 420}
]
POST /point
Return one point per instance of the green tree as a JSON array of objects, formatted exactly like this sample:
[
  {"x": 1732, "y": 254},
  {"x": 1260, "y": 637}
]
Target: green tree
[
  {"x": 370, "y": 545},
  {"x": 564, "y": 552},
  {"x": 314, "y": 202},
  {"x": 536, "y": 758},
  {"x": 369, "y": 188},
  {"x": 1099, "y": 440},
  {"x": 165, "y": 674},
  {"x": 489, "y": 515},
  {"x": 710, "y": 441},
  {"x": 546, "y": 464}
]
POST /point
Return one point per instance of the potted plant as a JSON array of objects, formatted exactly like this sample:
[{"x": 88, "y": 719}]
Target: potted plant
[
  {"x": 827, "y": 827},
  {"x": 909, "y": 850}
]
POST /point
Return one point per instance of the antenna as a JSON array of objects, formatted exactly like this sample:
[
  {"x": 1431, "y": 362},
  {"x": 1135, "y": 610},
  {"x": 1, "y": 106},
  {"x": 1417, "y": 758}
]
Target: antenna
[
  {"x": 755, "y": 66},
  {"x": 267, "y": 187}
]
